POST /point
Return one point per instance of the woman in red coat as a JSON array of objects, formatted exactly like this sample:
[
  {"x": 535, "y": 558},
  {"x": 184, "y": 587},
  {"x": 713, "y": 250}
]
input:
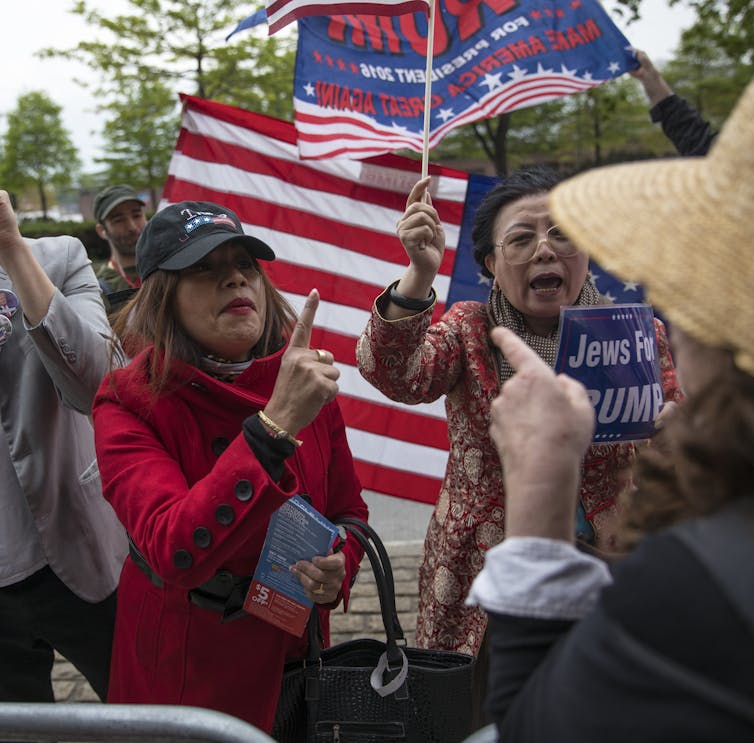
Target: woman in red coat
[{"x": 223, "y": 415}]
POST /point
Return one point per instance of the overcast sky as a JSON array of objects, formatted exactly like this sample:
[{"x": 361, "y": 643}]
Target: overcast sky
[{"x": 36, "y": 24}]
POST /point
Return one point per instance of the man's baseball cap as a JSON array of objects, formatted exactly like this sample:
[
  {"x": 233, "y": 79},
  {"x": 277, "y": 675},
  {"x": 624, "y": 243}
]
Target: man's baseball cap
[
  {"x": 107, "y": 199},
  {"x": 181, "y": 234}
]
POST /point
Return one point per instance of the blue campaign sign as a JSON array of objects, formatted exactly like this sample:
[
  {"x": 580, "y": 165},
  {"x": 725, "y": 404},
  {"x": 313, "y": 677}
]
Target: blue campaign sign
[{"x": 612, "y": 351}]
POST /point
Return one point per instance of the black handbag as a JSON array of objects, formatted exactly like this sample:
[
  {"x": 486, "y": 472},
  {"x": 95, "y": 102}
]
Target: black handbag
[{"x": 369, "y": 691}]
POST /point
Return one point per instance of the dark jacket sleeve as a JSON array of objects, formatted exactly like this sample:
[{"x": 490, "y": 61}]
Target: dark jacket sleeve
[
  {"x": 662, "y": 657},
  {"x": 270, "y": 452},
  {"x": 684, "y": 126},
  {"x": 517, "y": 647}
]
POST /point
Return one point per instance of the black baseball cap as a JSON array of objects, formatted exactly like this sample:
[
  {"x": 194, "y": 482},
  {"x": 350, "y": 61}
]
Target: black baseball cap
[
  {"x": 107, "y": 199},
  {"x": 181, "y": 234}
]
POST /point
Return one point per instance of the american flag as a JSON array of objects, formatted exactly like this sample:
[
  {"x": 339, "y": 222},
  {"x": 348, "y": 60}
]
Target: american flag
[
  {"x": 282, "y": 12},
  {"x": 359, "y": 84},
  {"x": 615, "y": 289},
  {"x": 332, "y": 226}
]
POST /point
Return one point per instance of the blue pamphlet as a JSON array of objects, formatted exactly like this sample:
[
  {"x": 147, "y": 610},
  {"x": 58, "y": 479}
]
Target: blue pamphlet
[
  {"x": 612, "y": 351},
  {"x": 297, "y": 531}
]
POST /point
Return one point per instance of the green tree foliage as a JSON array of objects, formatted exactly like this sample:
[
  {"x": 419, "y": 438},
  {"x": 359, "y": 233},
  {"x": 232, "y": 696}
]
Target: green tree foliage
[
  {"x": 706, "y": 73},
  {"x": 155, "y": 49},
  {"x": 257, "y": 73},
  {"x": 37, "y": 150},
  {"x": 607, "y": 124},
  {"x": 727, "y": 24},
  {"x": 182, "y": 43},
  {"x": 140, "y": 136}
]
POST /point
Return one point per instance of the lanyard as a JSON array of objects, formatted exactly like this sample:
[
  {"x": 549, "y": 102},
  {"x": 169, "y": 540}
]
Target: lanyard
[{"x": 117, "y": 268}]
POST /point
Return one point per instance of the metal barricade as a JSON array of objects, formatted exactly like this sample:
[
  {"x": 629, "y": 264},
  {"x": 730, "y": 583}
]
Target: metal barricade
[{"x": 122, "y": 723}]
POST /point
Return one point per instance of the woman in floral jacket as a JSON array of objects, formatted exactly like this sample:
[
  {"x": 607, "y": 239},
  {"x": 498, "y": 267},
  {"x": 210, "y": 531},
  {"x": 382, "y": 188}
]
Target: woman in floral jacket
[{"x": 536, "y": 270}]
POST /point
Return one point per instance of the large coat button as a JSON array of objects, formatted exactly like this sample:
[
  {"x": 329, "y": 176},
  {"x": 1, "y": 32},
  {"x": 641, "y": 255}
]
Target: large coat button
[
  {"x": 202, "y": 536},
  {"x": 224, "y": 578},
  {"x": 219, "y": 445},
  {"x": 182, "y": 559},
  {"x": 244, "y": 490},
  {"x": 224, "y": 514}
]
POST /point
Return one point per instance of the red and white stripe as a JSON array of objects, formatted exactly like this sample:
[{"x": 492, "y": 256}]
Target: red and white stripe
[
  {"x": 332, "y": 226},
  {"x": 282, "y": 12},
  {"x": 323, "y": 132}
]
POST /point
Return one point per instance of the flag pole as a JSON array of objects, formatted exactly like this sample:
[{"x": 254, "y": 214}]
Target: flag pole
[{"x": 428, "y": 86}]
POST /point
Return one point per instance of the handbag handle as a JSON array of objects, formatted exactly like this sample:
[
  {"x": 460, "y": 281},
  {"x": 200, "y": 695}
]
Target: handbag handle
[
  {"x": 393, "y": 659},
  {"x": 386, "y": 570},
  {"x": 383, "y": 576},
  {"x": 371, "y": 534}
]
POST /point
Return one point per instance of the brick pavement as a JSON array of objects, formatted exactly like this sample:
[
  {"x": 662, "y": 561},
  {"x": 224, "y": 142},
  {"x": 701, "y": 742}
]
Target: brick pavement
[{"x": 361, "y": 620}]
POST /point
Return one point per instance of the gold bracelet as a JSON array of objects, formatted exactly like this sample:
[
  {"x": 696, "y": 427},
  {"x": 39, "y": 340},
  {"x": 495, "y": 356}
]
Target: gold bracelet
[{"x": 276, "y": 432}]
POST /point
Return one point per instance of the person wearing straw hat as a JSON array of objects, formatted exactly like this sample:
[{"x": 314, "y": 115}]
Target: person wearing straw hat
[{"x": 662, "y": 649}]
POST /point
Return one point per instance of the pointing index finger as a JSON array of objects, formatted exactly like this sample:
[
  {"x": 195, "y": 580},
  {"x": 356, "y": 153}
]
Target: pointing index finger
[
  {"x": 302, "y": 331},
  {"x": 520, "y": 355}
]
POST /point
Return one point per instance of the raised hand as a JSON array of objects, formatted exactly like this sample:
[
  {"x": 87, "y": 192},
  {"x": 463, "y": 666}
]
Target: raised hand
[
  {"x": 655, "y": 85},
  {"x": 423, "y": 238},
  {"x": 421, "y": 232},
  {"x": 307, "y": 379},
  {"x": 542, "y": 425},
  {"x": 30, "y": 282},
  {"x": 10, "y": 236}
]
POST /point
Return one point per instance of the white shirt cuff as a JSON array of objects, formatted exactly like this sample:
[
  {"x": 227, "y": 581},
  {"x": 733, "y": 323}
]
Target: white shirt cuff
[{"x": 539, "y": 578}]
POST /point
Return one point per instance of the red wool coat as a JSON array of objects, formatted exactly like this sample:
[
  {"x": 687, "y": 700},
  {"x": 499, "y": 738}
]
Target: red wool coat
[{"x": 195, "y": 500}]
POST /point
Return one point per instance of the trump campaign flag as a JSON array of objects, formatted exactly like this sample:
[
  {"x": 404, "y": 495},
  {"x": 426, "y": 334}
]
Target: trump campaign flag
[
  {"x": 332, "y": 226},
  {"x": 360, "y": 81}
]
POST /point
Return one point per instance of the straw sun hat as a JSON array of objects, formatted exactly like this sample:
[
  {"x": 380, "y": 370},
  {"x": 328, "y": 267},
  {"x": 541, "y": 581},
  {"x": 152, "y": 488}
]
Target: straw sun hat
[{"x": 682, "y": 227}]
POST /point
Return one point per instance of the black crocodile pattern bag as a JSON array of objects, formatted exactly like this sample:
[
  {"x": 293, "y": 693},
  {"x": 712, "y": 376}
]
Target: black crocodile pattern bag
[{"x": 370, "y": 691}]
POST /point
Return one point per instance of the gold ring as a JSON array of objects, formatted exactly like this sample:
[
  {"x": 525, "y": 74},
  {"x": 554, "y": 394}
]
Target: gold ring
[
  {"x": 321, "y": 355},
  {"x": 320, "y": 590}
]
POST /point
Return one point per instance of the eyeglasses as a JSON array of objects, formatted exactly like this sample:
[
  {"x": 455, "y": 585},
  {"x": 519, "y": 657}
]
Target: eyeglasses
[{"x": 522, "y": 246}]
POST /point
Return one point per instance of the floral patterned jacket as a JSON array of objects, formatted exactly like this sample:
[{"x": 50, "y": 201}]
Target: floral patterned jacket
[{"x": 413, "y": 361}]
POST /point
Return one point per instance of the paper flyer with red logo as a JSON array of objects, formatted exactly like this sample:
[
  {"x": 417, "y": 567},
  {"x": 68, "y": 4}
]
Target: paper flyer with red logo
[{"x": 296, "y": 532}]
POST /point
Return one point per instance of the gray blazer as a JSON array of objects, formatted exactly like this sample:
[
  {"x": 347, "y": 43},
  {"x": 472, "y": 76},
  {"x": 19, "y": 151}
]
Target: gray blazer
[{"x": 48, "y": 377}]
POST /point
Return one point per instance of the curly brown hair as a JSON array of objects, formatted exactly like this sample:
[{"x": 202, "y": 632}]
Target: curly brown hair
[
  {"x": 701, "y": 460},
  {"x": 149, "y": 318}
]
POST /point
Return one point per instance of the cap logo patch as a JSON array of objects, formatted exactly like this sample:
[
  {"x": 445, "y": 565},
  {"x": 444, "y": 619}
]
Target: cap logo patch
[{"x": 199, "y": 219}]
